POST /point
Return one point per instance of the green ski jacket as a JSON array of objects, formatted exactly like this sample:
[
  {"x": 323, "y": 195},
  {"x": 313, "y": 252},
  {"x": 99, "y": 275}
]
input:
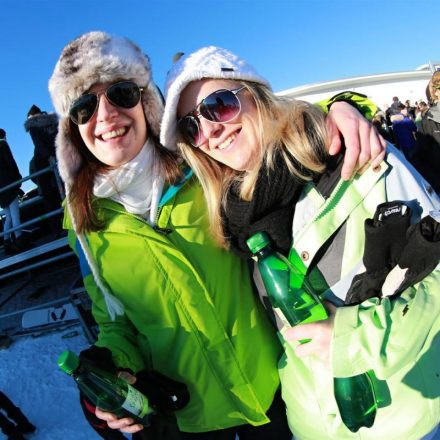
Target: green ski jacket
[{"x": 190, "y": 311}]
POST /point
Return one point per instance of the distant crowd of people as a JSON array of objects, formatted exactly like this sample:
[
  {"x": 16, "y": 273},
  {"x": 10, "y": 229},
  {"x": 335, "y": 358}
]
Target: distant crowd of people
[
  {"x": 42, "y": 127},
  {"x": 415, "y": 130}
]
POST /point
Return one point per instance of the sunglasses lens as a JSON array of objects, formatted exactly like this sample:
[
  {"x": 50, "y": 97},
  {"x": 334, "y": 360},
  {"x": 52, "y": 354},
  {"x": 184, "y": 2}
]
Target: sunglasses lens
[
  {"x": 124, "y": 94},
  {"x": 83, "y": 108},
  {"x": 220, "y": 106},
  {"x": 190, "y": 130}
]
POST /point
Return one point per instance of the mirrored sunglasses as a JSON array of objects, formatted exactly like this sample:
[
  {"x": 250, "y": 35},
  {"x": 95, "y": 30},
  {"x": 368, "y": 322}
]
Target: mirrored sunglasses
[
  {"x": 125, "y": 94},
  {"x": 220, "y": 106}
]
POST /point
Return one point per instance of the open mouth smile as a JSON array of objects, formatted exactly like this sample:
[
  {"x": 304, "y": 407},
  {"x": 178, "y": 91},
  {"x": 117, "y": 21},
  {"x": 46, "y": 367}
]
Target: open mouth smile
[
  {"x": 228, "y": 141},
  {"x": 113, "y": 133}
]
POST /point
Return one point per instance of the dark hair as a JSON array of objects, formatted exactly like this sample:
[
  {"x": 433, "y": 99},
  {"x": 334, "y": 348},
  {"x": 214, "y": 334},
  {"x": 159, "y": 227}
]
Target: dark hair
[
  {"x": 2, "y": 133},
  {"x": 81, "y": 191}
]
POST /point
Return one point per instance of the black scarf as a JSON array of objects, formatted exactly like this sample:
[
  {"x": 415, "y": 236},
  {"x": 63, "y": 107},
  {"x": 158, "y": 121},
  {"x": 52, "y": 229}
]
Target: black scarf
[{"x": 270, "y": 210}]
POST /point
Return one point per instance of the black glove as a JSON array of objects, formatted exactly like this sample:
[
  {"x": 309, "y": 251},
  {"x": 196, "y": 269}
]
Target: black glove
[
  {"x": 99, "y": 357},
  {"x": 385, "y": 238},
  {"x": 419, "y": 257},
  {"x": 164, "y": 393}
]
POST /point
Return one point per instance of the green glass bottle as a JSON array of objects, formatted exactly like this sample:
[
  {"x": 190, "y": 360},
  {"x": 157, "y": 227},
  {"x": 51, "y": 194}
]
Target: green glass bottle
[
  {"x": 295, "y": 302},
  {"x": 285, "y": 284},
  {"x": 105, "y": 390}
]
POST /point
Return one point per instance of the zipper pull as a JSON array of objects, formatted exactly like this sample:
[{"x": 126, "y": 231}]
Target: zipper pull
[{"x": 163, "y": 231}]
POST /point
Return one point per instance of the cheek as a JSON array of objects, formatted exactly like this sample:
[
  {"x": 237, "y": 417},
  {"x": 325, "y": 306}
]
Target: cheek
[
  {"x": 251, "y": 127},
  {"x": 139, "y": 117},
  {"x": 85, "y": 133}
]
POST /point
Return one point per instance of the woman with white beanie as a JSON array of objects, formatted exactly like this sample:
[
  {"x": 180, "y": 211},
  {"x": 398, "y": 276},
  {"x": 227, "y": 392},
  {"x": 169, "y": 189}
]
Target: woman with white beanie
[{"x": 264, "y": 165}]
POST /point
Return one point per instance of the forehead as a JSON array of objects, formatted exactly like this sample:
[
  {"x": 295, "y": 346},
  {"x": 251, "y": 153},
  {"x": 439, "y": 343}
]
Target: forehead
[
  {"x": 195, "y": 91},
  {"x": 98, "y": 87}
]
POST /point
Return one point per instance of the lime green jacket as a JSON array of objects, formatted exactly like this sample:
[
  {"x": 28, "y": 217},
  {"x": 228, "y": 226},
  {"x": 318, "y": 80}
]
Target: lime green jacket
[
  {"x": 190, "y": 311},
  {"x": 398, "y": 339}
]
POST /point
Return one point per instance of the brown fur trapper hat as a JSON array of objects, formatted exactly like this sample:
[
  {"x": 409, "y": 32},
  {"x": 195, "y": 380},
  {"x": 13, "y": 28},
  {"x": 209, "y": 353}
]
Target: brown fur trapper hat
[{"x": 97, "y": 57}]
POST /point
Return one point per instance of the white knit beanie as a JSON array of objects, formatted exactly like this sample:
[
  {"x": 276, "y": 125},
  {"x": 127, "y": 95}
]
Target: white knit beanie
[
  {"x": 207, "y": 62},
  {"x": 97, "y": 57}
]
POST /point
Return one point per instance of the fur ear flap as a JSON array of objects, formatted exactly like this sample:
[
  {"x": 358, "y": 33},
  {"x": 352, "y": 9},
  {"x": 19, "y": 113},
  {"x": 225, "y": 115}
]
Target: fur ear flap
[
  {"x": 153, "y": 110},
  {"x": 69, "y": 160}
]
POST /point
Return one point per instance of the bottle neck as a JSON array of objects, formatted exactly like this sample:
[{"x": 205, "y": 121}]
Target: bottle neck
[{"x": 264, "y": 252}]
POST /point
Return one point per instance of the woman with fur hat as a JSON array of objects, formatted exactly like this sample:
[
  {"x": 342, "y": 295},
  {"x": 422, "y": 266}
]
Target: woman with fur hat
[
  {"x": 165, "y": 296},
  {"x": 263, "y": 163}
]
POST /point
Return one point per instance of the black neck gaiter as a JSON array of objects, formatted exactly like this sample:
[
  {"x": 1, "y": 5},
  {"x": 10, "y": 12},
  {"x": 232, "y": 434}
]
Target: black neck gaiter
[{"x": 270, "y": 210}]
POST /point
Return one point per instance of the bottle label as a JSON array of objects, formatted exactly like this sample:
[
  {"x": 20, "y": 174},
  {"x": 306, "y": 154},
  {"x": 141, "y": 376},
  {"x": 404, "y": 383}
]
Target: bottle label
[{"x": 135, "y": 402}]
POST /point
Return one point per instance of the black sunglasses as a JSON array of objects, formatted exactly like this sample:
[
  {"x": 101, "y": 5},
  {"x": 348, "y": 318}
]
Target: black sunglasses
[
  {"x": 220, "y": 106},
  {"x": 125, "y": 94}
]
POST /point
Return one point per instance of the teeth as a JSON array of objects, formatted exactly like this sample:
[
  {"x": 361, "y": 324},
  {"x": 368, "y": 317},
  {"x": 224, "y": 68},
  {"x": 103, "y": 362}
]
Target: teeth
[
  {"x": 227, "y": 142},
  {"x": 112, "y": 134}
]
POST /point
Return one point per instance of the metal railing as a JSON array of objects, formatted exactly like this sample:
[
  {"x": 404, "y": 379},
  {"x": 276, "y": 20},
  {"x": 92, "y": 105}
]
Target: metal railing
[
  {"x": 43, "y": 250},
  {"x": 51, "y": 168}
]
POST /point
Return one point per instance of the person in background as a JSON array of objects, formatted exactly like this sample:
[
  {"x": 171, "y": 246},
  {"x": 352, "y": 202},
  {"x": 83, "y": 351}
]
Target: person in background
[
  {"x": 263, "y": 163},
  {"x": 411, "y": 110},
  {"x": 404, "y": 132},
  {"x": 427, "y": 156},
  {"x": 13, "y": 423},
  {"x": 394, "y": 108},
  {"x": 43, "y": 127},
  {"x": 13, "y": 242},
  {"x": 380, "y": 123},
  {"x": 421, "y": 109}
]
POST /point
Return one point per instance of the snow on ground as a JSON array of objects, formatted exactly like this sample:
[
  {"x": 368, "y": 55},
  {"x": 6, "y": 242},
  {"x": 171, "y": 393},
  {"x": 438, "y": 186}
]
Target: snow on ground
[{"x": 30, "y": 376}]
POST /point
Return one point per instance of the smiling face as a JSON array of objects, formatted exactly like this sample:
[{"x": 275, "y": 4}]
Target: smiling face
[
  {"x": 114, "y": 135},
  {"x": 234, "y": 143}
]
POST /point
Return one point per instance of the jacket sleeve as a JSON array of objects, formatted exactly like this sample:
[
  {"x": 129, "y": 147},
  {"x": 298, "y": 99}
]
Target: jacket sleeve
[
  {"x": 359, "y": 101},
  {"x": 385, "y": 335},
  {"x": 119, "y": 336},
  {"x": 9, "y": 161}
]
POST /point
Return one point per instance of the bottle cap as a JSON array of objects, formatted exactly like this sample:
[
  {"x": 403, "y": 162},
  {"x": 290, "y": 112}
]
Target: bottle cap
[
  {"x": 68, "y": 361},
  {"x": 257, "y": 242}
]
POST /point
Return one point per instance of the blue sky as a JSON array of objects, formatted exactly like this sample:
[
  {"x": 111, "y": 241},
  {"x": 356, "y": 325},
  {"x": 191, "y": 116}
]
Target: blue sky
[{"x": 291, "y": 42}]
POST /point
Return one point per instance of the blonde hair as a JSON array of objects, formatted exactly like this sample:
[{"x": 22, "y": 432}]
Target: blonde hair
[
  {"x": 434, "y": 82},
  {"x": 293, "y": 128}
]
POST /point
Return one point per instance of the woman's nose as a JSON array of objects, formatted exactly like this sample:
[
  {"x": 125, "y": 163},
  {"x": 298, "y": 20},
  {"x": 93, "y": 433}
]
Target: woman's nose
[
  {"x": 105, "y": 109},
  {"x": 209, "y": 129}
]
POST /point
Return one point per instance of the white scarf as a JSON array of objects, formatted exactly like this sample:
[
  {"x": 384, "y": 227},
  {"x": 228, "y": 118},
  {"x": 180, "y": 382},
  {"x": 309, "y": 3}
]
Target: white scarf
[{"x": 136, "y": 185}]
